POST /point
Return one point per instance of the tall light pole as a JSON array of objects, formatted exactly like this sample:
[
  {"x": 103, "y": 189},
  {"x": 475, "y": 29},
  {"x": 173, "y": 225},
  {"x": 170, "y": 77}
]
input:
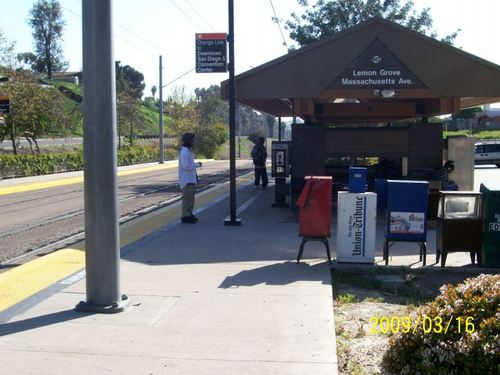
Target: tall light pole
[
  {"x": 239, "y": 130},
  {"x": 102, "y": 240},
  {"x": 161, "y": 112}
]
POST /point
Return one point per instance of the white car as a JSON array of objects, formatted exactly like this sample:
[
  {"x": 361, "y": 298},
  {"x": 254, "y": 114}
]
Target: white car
[{"x": 487, "y": 152}]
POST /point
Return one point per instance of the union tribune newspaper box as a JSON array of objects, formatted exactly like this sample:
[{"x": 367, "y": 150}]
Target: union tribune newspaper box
[
  {"x": 356, "y": 227},
  {"x": 406, "y": 219}
]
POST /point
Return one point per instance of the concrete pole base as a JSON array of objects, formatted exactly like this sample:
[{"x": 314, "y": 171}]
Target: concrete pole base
[
  {"x": 114, "y": 308},
  {"x": 232, "y": 223}
]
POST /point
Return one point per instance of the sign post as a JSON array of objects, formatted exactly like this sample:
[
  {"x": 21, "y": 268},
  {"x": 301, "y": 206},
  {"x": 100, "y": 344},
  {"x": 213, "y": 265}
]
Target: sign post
[
  {"x": 211, "y": 58},
  {"x": 232, "y": 221}
]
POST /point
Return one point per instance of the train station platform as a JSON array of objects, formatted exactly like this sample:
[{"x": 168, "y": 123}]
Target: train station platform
[{"x": 205, "y": 299}]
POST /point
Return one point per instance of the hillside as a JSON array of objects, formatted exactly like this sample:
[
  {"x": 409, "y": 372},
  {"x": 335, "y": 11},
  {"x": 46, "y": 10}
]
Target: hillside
[{"x": 148, "y": 117}]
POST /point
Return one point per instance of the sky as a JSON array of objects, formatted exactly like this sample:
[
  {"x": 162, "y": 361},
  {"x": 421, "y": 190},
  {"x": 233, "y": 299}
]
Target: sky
[{"x": 146, "y": 29}]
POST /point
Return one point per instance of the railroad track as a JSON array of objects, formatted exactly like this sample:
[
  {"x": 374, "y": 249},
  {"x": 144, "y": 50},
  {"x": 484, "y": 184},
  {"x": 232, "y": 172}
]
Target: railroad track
[{"x": 23, "y": 242}]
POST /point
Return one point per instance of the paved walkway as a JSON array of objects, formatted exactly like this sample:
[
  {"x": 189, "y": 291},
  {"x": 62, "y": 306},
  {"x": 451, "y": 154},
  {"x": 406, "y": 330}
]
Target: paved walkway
[{"x": 205, "y": 299}]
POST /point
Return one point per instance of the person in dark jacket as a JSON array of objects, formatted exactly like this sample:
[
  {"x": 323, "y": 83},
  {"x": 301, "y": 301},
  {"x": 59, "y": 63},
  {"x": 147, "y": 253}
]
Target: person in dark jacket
[
  {"x": 259, "y": 156},
  {"x": 442, "y": 175}
]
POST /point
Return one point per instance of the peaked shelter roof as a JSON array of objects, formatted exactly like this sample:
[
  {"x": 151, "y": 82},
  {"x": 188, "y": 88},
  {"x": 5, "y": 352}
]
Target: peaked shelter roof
[{"x": 375, "y": 71}]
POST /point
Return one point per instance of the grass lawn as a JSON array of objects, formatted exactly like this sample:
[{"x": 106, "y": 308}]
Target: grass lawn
[{"x": 482, "y": 135}]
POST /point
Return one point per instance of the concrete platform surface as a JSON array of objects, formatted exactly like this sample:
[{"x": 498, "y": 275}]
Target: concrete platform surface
[{"x": 205, "y": 299}]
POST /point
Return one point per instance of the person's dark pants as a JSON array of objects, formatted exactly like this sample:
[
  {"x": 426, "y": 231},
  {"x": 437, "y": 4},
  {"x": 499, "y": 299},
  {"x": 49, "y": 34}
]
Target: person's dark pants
[{"x": 261, "y": 172}]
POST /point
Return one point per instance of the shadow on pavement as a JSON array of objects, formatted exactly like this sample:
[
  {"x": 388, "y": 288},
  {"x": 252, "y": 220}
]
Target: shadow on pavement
[
  {"x": 40, "y": 321},
  {"x": 279, "y": 274}
]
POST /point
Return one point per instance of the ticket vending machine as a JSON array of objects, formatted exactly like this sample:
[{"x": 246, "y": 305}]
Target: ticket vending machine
[{"x": 280, "y": 170}]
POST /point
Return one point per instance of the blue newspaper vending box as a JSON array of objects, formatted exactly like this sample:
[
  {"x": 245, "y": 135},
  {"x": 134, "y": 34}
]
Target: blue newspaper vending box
[
  {"x": 381, "y": 191},
  {"x": 357, "y": 179},
  {"x": 406, "y": 218}
]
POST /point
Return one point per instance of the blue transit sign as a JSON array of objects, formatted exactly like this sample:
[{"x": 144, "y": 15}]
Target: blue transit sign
[{"x": 211, "y": 54}]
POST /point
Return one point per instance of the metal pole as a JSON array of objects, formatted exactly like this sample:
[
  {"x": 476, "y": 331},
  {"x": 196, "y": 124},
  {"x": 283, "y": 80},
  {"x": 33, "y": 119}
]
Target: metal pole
[
  {"x": 279, "y": 129},
  {"x": 232, "y": 154},
  {"x": 239, "y": 130},
  {"x": 102, "y": 241},
  {"x": 161, "y": 113}
]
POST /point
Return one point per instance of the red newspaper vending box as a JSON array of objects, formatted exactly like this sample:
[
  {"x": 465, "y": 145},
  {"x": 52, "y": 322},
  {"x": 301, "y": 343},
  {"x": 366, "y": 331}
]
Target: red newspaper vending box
[{"x": 315, "y": 211}]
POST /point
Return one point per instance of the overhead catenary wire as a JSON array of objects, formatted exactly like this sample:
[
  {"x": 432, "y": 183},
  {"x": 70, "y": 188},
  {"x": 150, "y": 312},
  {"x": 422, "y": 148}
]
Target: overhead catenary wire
[
  {"x": 186, "y": 15},
  {"x": 279, "y": 24},
  {"x": 142, "y": 48},
  {"x": 178, "y": 78},
  {"x": 156, "y": 47},
  {"x": 199, "y": 15}
]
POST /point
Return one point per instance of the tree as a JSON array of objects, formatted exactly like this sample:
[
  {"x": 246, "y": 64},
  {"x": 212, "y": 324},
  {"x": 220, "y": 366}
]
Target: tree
[
  {"x": 328, "y": 17},
  {"x": 182, "y": 109},
  {"x": 129, "y": 89},
  {"x": 29, "y": 61},
  {"x": 45, "y": 19},
  {"x": 34, "y": 110},
  {"x": 468, "y": 113},
  {"x": 191, "y": 114},
  {"x": 153, "y": 91},
  {"x": 6, "y": 52},
  {"x": 252, "y": 122},
  {"x": 128, "y": 118},
  {"x": 129, "y": 80},
  {"x": 211, "y": 107}
]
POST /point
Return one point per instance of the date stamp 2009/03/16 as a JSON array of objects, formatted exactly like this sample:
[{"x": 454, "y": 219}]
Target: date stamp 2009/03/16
[{"x": 405, "y": 324}]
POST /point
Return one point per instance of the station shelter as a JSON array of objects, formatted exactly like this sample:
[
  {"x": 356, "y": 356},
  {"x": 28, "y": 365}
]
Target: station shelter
[{"x": 364, "y": 96}]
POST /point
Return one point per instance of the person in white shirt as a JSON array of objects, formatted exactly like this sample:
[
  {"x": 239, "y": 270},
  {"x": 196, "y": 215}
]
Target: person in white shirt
[{"x": 188, "y": 178}]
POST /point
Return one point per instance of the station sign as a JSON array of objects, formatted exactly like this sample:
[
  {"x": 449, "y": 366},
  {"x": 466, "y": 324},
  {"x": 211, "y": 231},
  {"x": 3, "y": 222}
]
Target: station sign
[
  {"x": 377, "y": 67},
  {"x": 211, "y": 53},
  {"x": 4, "y": 104}
]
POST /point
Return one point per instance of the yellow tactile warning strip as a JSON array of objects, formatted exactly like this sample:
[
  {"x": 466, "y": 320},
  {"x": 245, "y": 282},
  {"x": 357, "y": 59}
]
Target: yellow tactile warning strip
[
  {"x": 30, "y": 278},
  {"x": 77, "y": 180}
]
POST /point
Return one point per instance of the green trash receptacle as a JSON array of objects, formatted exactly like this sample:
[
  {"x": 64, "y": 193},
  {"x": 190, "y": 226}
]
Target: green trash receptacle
[{"x": 491, "y": 227}]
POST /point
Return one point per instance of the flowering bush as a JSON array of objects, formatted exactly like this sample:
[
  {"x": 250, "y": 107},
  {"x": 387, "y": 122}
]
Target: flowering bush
[{"x": 457, "y": 333}]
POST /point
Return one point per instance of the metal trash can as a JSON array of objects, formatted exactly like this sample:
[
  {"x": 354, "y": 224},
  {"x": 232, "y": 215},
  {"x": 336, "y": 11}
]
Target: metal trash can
[
  {"x": 491, "y": 228},
  {"x": 459, "y": 224},
  {"x": 315, "y": 212}
]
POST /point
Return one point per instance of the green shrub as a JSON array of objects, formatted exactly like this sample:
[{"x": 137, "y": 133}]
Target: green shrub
[
  {"x": 469, "y": 341},
  {"x": 208, "y": 140},
  {"x": 24, "y": 165},
  {"x": 346, "y": 298}
]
